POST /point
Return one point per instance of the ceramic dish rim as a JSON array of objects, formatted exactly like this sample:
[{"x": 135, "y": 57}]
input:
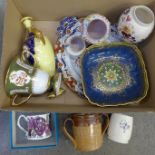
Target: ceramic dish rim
[{"x": 138, "y": 53}]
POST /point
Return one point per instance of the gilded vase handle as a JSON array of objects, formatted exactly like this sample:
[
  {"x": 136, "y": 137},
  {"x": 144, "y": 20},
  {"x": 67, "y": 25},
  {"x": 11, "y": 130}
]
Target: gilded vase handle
[
  {"x": 24, "y": 58},
  {"x": 39, "y": 35},
  {"x": 106, "y": 124},
  {"x": 67, "y": 133},
  {"x": 14, "y": 103}
]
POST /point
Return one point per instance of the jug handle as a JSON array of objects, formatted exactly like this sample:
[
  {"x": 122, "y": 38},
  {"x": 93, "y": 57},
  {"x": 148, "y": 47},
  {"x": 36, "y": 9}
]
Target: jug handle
[
  {"x": 67, "y": 133},
  {"x": 21, "y": 102},
  {"x": 106, "y": 124}
]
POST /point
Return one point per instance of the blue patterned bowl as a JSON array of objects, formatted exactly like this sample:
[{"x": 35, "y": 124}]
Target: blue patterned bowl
[{"x": 114, "y": 74}]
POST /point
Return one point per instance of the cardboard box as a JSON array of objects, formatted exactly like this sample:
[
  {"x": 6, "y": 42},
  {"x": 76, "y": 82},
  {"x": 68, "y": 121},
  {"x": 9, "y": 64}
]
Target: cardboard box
[
  {"x": 47, "y": 13},
  {"x": 18, "y": 139}
]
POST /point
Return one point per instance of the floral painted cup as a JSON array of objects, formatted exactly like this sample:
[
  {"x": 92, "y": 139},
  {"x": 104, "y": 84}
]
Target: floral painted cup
[
  {"x": 96, "y": 28},
  {"x": 75, "y": 45},
  {"x": 24, "y": 79},
  {"x": 136, "y": 23},
  {"x": 38, "y": 126}
]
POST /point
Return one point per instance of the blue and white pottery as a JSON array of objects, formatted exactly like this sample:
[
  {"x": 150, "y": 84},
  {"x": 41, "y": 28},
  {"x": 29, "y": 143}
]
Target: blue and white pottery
[
  {"x": 114, "y": 35},
  {"x": 68, "y": 26},
  {"x": 69, "y": 66}
]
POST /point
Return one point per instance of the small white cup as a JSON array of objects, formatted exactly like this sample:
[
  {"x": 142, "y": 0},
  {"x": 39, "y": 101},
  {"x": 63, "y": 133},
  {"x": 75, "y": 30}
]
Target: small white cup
[
  {"x": 120, "y": 128},
  {"x": 75, "y": 45}
]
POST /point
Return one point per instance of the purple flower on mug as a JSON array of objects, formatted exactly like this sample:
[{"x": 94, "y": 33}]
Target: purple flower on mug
[
  {"x": 124, "y": 125},
  {"x": 38, "y": 126}
]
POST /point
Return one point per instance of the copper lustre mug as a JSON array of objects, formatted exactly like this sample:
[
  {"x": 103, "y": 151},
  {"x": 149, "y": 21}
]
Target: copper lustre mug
[{"x": 88, "y": 130}]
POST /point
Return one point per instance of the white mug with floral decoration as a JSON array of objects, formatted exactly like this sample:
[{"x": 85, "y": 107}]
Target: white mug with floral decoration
[
  {"x": 136, "y": 23},
  {"x": 24, "y": 79},
  {"x": 120, "y": 128},
  {"x": 38, "y": 126}
]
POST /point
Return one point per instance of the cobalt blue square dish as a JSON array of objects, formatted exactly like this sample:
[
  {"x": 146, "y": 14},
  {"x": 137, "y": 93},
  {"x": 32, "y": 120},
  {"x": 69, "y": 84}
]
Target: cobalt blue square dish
[{"x": 114, "y": 74}]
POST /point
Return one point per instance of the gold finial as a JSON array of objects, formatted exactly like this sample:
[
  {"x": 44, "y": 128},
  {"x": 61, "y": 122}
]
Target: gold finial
[{"x": 27, "y": 21}]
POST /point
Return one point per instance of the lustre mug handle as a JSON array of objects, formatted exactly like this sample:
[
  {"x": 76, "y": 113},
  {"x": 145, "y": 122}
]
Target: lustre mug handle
[
  {"x": 21, "y": 102},
  {"x": 18, "y": 123},
  {"x": 68, "y": 134},
  {"x": 107, "y": 124}
]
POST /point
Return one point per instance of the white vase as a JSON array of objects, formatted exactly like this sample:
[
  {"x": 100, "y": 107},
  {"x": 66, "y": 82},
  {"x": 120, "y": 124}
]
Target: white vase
[
  {"x": 96, "y": 28},
  {"x": 136, "y": 23}
]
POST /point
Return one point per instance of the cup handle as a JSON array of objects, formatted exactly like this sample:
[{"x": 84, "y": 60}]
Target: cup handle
[
  {"x": 21, "y": 102},
  {"x": 18, "y": 123},
  {"x": 68, "y": 134},
  {"x": 107, "y": 124}
]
